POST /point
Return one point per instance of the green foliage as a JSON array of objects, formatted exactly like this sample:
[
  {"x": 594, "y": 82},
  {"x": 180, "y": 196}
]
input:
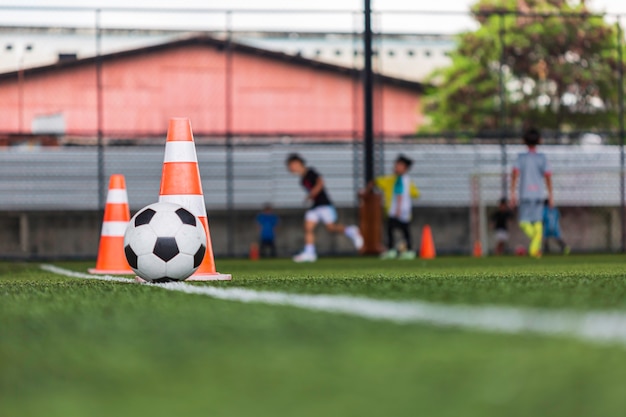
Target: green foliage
[{"x": 560, "y": 72}]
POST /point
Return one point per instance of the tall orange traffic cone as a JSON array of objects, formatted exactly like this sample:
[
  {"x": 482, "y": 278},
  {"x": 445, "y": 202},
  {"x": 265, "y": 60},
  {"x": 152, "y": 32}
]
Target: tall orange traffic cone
[
  {"x": 427, "y": 250},
  {"x": 111, "y": 259},
  {"x": 180, "y": 184}
]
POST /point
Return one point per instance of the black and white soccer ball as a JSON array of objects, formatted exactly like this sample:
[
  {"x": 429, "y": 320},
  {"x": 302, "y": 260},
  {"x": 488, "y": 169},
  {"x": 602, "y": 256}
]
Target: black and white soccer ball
[{"x": 164, "y": 242}]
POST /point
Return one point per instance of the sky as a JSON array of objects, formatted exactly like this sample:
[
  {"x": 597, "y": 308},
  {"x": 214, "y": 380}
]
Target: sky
[
  {"x": 244, "y": 19},
  {"x": 459, "y": 5}
]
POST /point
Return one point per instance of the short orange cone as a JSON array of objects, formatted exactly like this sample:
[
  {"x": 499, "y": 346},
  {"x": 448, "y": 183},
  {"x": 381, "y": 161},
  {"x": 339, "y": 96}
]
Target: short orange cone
[
  {"x": 254, "y": 253},
  {"x": 180, "y": 184},
  {"x": 427, "y": 250},
  {"x": 478, "y": 249},
  {"x": 111, "y": 259}
]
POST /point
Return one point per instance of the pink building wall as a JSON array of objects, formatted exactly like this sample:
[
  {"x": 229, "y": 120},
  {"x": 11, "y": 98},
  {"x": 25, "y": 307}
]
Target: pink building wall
[{"x": 142, "y": 91}]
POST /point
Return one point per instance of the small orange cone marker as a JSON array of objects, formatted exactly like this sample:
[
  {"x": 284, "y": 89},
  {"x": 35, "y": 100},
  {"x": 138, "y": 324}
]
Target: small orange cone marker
[
  {"x": 427, "y": 250},
  {"x": 478, "y": 249},
  {"x": 180, "y": 184},
  {"x": 111, "y": 259},
  {"x": 254, "y": 253}
]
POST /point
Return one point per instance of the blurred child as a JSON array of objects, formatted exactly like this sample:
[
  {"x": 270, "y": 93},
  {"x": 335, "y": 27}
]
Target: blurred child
[
  {"x": 398, "y": 190},
  {"x": 552, "y": 228},
  {"x": 501, "y": 225},
  {"x": 321, "y": 210},
  {"x": 267, "y": 221},
  {"x": 531, "y": 173}
]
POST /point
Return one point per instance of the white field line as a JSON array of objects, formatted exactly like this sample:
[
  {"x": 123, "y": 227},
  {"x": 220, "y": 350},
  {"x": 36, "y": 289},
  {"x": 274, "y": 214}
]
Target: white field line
[{"x": 594, "y": 326}]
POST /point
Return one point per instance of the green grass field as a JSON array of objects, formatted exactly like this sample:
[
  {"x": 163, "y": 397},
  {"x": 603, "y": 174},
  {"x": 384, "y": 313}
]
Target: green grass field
[{"x": 75, "y": 347}]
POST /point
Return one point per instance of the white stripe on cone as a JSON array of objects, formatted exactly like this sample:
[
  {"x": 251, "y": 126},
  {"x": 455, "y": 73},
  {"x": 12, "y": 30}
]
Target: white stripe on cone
[
  {"x": 180, "y": 152},
  {"x": 117, "y": 196},
  {"x": 192, "y": 202},
  {"x": 114, "y": 229}
]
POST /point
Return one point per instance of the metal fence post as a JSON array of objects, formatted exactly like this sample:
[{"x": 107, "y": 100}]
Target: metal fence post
[
  {"x": 377, "y": 103},
  {"x": 620, "y": 98},
  {"x": 368, "y": 96},
  {"x": 228, "y": 110},
  {"x": 502, "y": 116},
  {"x": 99, "y": 113},
  {"x": 356, "y": 142}
]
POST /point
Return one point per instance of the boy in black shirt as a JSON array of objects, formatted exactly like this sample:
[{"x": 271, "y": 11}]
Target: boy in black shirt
[
  {"x": 501, "y": 225},
  {"x": 321, "y": 210}
]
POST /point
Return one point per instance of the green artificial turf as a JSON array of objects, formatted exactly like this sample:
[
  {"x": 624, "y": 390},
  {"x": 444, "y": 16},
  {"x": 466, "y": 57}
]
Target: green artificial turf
[{"x": 72, "y": 347}]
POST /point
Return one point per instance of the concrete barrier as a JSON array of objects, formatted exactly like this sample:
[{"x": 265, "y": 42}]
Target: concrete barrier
[{"x": 74, "y": 234}]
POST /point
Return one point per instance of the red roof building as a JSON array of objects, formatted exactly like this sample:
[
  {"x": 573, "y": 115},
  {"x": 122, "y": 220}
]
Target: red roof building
[{"x": 221, "y": 87}]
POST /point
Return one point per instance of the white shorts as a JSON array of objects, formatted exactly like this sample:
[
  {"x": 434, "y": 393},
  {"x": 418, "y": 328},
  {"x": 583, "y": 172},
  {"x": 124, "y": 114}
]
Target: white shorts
[
  {"x": 502, "y": 235},
  {"x": 324, "y": 214}
]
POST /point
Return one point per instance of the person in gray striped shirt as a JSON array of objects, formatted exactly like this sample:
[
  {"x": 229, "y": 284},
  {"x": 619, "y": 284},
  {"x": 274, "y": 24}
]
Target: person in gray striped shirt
[{"x": 532, "y": 175}]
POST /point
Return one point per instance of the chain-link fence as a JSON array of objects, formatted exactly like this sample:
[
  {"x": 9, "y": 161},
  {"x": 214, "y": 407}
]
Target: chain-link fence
[{"x": 86, "y": 93}]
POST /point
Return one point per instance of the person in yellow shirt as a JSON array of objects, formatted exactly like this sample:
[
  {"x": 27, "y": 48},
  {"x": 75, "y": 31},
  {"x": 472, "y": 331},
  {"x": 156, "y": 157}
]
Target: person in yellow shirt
[{"x": 398, "y": 191}]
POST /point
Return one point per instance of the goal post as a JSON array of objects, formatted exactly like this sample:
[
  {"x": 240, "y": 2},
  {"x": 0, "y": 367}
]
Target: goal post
[
  {"x": 591, "y": 189},
  {"x": 481, "y": 189}
]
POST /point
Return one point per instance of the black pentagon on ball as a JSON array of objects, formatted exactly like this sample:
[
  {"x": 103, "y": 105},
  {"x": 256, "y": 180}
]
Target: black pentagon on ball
[
  {"x": 199, "y": 256},
  {"x": 144, "y": 217},
  {"x": 186, "y": 217},
  {"x": 131, "y": 256},
  {"x": 162, "y": 280},
  {"x": 166, "y": 248}
]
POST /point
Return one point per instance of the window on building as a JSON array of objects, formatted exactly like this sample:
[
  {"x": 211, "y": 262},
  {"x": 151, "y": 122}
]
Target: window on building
[{"x": 65, "y": 56}]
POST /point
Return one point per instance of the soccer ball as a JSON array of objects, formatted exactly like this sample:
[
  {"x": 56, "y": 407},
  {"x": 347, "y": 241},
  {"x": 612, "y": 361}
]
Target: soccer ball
[{"x": 164, "y": 242}]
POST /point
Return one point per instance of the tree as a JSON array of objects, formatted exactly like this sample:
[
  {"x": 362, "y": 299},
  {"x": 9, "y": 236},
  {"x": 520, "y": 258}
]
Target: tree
[{"x": 560, "y": 70}]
